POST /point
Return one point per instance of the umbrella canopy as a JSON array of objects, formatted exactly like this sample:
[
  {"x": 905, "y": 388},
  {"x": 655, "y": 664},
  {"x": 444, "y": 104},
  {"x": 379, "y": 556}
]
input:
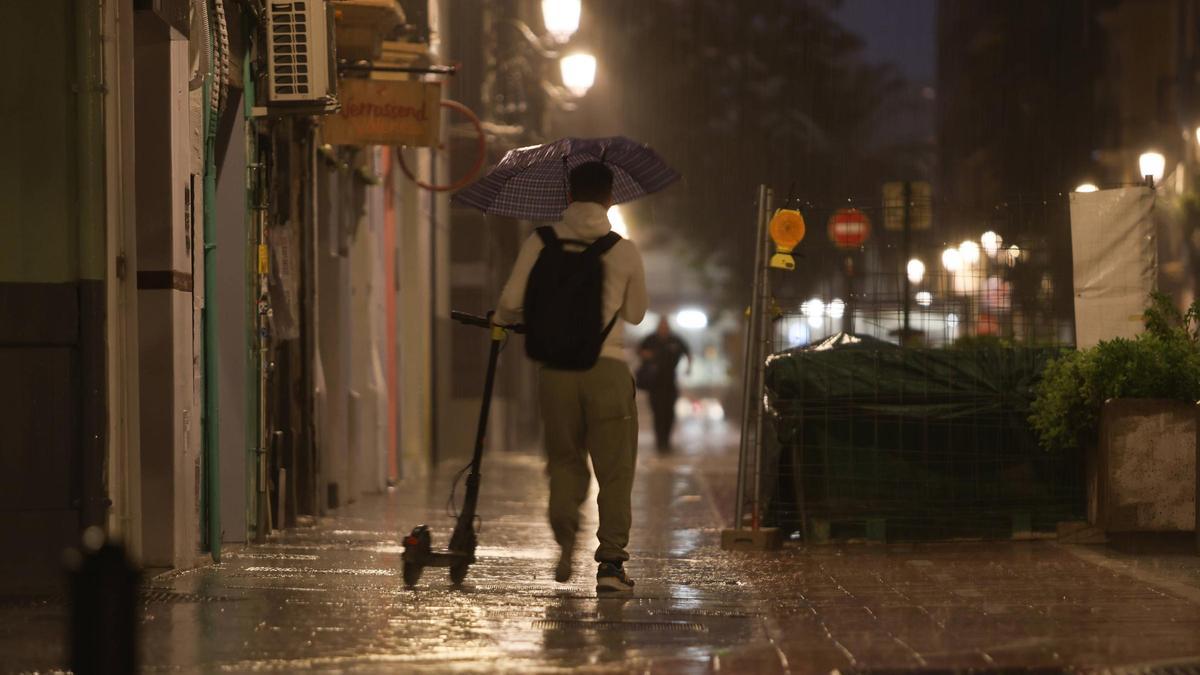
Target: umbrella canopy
[{"x": 531, "y": 183}]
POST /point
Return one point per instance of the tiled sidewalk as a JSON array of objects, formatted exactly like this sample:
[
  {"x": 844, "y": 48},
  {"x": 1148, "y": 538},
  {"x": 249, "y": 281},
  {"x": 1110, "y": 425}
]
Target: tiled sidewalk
[{"x": 330, "y": 597}]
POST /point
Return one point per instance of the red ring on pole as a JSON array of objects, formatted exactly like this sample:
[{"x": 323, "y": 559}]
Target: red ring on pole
[{"x": 480, "y": 158}]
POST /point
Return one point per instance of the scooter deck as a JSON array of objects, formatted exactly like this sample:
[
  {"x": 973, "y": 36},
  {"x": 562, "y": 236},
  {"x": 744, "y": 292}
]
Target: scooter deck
[{"x": 442, "y": 558}]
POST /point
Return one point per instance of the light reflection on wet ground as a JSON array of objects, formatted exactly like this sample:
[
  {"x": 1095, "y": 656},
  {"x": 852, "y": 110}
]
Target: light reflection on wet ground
[{"x": 329, "y": 598}]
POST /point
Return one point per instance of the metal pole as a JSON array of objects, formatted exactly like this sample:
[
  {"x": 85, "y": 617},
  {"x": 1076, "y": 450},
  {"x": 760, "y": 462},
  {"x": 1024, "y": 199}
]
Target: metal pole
[
  {"x": 764, "y": 348},
  {"x": 851, "y": 304},
  {"x": 368, "y": 67},
  {"x": 92, "y": 260},
  {"x": 747, "y": 360},
  {"x": 748, "y": 371},
  {"x": 210, "y": 419},
  {"x": 904, "y": 263}
]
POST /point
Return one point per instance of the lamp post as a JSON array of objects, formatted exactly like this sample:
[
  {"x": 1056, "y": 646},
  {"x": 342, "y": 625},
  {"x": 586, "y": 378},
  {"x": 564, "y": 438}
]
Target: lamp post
[
  {"x": 518, "y": 87},
  {"x": 952, "y": 262},
  {"x": 914, "y": 273}
]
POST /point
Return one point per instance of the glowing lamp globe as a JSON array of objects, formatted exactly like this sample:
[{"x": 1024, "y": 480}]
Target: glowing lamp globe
[
  {"x": 578, "y": 73},
  {"x": 916, "y": 271},
  {"x": 1153, "y": 165},
  {"x": 952, "y": 260},
  {"x": 969, "y": 252},
  {"x": 991, "y": 243},
  {"x": 561, "y": 18}
]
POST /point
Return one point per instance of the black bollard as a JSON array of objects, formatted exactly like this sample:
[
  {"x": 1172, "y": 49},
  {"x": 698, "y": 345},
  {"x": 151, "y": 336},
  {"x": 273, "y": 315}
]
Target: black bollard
[{"x": 104, "y": 595}]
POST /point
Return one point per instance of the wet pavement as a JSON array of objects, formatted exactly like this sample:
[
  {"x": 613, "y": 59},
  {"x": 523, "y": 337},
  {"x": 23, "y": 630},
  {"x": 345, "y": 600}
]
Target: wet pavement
[{"x": 330, "y": 597}]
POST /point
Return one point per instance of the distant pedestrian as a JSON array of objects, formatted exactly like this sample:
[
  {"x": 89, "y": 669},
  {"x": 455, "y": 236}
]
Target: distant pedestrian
[
  {"x": 572, "y": 285},
  {"x": 661, "y": 353}
]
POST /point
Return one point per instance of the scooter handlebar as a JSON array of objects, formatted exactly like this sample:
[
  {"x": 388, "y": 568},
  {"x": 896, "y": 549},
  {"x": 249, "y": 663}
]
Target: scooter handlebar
[{"x": 481, "y": 321}]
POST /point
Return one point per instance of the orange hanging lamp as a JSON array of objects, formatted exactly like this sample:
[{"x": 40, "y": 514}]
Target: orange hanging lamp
[{"x": 787, "y": 231}]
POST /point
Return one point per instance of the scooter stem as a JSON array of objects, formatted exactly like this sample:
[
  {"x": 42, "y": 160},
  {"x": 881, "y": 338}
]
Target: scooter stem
[
  {"x": 463, "y": 538},
  {"x": 498, "y": 335}
]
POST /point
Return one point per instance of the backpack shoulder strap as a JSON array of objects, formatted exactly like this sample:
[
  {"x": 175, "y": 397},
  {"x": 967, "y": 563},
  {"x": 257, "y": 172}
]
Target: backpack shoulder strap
[
  {"x": 609, "y": 327},
  {"x": 603, "y": 244},
  {"x": 599, "y": 248},
  {"x": 548, "y": 236}
]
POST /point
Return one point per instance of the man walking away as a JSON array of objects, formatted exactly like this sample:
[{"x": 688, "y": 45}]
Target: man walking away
[
  {"x": 661, "y": 352},
  {"x": 572, "y": 285}
]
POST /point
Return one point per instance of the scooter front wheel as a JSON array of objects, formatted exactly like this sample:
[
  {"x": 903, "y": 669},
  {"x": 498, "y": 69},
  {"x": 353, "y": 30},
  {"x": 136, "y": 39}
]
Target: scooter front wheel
[
  {"x": 458, "y": 573},
  {"x": 412, "y": 573}
]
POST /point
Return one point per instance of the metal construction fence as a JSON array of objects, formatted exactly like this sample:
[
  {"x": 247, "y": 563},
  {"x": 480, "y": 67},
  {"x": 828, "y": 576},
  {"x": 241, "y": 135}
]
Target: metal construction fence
[
  {"x": 874, "y": 440},
  {"x": 1003, "y": 272},
  {"x": 896, "y": 384}
]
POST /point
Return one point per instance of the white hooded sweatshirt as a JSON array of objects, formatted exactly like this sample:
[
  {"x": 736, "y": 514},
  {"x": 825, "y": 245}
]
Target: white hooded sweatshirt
[{"x": 624, "y": 276}]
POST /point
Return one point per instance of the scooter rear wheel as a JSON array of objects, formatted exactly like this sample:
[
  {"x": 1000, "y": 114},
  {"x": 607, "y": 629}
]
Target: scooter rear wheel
[
  {"x": 412, "y": 573},
  {"x": 458, "y": 573}
]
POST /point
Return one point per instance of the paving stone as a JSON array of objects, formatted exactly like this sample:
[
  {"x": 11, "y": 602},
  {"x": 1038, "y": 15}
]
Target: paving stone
[{"x": 329, "y": 597}]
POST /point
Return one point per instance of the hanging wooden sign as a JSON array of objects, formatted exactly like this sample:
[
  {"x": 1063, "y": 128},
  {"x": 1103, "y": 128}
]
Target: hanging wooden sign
[{"x": 385, "y": 112}]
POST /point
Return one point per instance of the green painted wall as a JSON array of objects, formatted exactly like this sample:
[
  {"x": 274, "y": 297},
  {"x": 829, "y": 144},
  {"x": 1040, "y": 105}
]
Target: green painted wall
[{"x": 38, "y": 184}]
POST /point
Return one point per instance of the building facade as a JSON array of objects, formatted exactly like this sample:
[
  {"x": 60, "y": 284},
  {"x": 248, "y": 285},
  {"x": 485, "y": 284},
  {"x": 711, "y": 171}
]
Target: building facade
[
  {"x": 213, "y": 324},
  {"x": 1036, "y": 99}
]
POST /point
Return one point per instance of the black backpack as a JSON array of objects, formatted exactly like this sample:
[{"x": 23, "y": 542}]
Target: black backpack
[{"x": 564, "y": 303}]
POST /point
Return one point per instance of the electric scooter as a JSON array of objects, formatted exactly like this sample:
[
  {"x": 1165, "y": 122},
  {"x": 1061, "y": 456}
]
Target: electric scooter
[{"x": 460, "y": 555}]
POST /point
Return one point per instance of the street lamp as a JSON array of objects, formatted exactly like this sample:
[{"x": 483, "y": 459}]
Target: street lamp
[
  {"x": 991, "y": 243},
  {"x": 617, "y": 220},
  {"x": 969, "y": 251},
  {"x": 1152, "y": 166},
  {"x": 814, "y": 310},
  {"x": 518, "y": 89},
  {"x": 952, "y": 260},
  {"x": 1086, "y": 187},
  {"x": 561, "y": 18},
  {"x": 578, "y": 73},
  {"x": 1014, "y": 254},
  {"x": 924, "y": 298},
  {"x": 916, "y": 271},
  {"x": 836, "y": 308}
]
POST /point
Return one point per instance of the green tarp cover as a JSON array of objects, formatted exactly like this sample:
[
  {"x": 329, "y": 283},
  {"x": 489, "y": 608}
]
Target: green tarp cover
[{"x": 935, "y": 443}]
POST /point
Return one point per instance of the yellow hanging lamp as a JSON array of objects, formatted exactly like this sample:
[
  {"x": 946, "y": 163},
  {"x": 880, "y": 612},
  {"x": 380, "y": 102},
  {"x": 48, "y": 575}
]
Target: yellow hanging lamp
[{"x": 787, "y": 231}]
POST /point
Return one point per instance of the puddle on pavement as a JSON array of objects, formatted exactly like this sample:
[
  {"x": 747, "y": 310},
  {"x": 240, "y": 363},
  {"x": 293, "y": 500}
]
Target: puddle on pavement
[
  {"x": 314, "y": 571},
  {"x": 240, "y": 555}
]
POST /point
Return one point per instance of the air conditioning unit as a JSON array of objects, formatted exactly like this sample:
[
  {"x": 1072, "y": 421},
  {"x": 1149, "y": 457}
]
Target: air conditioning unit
[{"x": 301, "y": 60}]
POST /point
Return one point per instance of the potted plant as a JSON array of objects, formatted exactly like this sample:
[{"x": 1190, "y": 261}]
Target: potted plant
[{"x": 1130, "y": 406}]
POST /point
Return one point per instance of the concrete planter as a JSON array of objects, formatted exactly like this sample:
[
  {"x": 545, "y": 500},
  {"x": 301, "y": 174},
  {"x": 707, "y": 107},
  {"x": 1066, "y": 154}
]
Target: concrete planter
[{"x": 1144, "y": 472}]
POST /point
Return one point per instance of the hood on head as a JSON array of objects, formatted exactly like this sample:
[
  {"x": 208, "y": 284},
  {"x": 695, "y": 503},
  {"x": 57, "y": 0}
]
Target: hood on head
[{"x": 586, "y": 220}]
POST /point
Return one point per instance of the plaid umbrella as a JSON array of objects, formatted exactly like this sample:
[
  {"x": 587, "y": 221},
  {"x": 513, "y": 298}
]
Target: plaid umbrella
[{"x": 531, "y": 183}]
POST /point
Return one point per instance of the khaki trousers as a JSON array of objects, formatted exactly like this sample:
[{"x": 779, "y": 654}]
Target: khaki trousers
[{"x": 591, "y": 412}]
